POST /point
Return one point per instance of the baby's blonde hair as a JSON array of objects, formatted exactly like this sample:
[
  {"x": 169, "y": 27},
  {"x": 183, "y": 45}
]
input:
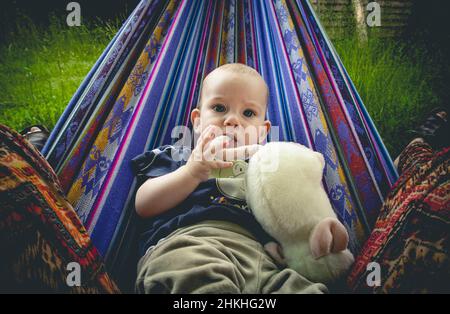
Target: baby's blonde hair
[{"x": 237, "y": 68}]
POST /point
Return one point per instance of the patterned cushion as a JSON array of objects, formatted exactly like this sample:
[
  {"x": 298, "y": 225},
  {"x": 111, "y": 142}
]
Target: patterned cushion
[
  {"x": 40, "y": 234},
  {"x": 410, "y": 241}
]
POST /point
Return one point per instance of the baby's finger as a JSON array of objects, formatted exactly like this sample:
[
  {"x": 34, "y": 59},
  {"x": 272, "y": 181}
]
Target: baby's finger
[
  {"x": 204, "y": 135},
  {"x": 221, "y": 164},
  {"x": 241, "y": 152},
  {"x": 204, "y": 139},
  {"x": 214, "y": 148},
  {"x": 211, "y": 132}
]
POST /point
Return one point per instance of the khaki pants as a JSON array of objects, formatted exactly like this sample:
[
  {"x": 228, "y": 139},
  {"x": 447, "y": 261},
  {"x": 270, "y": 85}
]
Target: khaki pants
[{"x": 216, "y": 257}]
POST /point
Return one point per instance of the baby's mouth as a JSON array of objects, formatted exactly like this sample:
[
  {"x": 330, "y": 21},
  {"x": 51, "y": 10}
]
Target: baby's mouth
[{"x": 232, "y": 136}]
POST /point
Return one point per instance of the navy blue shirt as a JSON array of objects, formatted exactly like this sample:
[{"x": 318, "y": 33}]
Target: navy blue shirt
[{"x": 221, "y": 197}]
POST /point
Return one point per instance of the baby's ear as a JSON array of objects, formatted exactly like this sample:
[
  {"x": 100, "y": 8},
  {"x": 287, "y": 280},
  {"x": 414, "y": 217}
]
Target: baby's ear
[
  {"x": 263, "y": 131},
  {"x": 195, "y": 120}
]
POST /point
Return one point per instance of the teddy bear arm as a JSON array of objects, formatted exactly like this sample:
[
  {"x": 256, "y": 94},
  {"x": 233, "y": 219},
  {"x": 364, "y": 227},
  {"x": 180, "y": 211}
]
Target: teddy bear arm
[
  {"x": 328, "y": 236},
  {"x": 275, "y": 251}
]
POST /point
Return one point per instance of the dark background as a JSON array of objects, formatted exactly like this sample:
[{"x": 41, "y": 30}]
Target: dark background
[
  {"x": 429, "y": 25},
  {"x": 430, "y": 22},
  {"x": 39, "y": 11},
  {"x": 429, "y": 19}
]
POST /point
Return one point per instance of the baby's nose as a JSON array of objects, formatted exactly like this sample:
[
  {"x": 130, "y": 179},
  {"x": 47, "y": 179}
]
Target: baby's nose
[{"x": 231, "y": 120}]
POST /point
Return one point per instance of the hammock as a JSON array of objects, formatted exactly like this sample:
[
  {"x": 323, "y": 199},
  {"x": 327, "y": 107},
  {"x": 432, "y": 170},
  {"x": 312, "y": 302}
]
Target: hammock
[{"x": 148, "y": 79}]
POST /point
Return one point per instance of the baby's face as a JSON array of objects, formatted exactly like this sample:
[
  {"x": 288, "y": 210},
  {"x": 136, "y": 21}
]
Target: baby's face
[{"x": 235, "y": 103}]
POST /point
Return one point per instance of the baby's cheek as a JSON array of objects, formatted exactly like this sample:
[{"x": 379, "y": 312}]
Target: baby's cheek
[
  {"x": 251, "y": 139},
  {"x": 255, "y": 136}
]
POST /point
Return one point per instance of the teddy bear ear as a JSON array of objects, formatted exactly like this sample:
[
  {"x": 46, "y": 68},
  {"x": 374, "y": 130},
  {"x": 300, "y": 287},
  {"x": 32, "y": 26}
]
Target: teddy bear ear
[{"x": 321, "y": 159}]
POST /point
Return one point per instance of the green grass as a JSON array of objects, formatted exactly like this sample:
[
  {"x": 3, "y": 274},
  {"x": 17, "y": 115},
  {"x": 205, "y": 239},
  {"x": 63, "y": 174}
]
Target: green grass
[
  {"x": 396, "y": 81},
  {"x": 41, "y": 68},
  {"x": 399, "y": 81}
]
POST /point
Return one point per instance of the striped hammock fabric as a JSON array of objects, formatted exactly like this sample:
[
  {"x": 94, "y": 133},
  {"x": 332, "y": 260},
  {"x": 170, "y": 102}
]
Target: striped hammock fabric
[{"x": 148, "y": 79}]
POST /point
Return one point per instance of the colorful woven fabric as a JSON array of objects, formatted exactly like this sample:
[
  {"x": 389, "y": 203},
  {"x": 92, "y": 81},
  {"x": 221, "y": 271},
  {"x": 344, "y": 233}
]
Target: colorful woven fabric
[
  {"x": 148, "y": 80},
  {"x": 40, "y": 233},
  {"x": 411, "y": 239}
]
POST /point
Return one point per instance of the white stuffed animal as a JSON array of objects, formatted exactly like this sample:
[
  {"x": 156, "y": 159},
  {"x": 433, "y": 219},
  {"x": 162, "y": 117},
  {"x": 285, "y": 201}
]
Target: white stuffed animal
[{"x": 284, "y": 191}]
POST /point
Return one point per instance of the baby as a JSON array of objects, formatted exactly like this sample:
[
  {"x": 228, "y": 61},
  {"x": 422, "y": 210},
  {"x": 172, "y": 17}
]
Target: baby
[{"x": 199, "y": 234}]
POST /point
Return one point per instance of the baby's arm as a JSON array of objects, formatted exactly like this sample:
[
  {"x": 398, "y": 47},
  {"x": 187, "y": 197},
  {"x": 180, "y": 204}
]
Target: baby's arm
[{"x": 158, "y": 195}]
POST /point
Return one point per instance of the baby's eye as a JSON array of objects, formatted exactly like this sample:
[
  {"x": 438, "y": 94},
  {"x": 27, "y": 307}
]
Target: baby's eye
[
  {"x": 249, "y": 113},
  {"x": 219, "y": 108}
]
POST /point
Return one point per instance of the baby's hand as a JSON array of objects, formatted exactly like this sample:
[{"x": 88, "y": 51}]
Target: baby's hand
[{"x": 204, "y": 156}]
